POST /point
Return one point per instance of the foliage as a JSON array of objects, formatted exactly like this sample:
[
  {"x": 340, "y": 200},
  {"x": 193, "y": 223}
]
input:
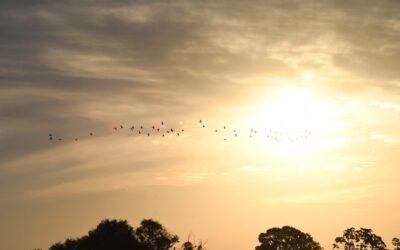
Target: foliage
[
  {"x": 188, "y": 245},
  {"x": 119, "y": 235},
  {"x": 286, "y": 238},
  {"x": 396, "y": 243},
  {"x": 361, "y": 239},
  {"x": 154, "y": 236}
]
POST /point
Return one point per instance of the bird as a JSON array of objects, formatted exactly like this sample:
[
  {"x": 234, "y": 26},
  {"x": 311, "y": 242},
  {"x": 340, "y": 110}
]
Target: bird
[
  {"x": 59, "y": 139},
  {"x": 121, "y": 126},
  {"x": 133, "y": 127},
  {"x": 115, "y": 128},
  {"x": 50, "y": 138},
  {"x": 50, "y": 135},
  {"x": 91, "y": 134},
  {"x": 172, "y": 130},
  {"x": 163, "y": 135},
  {"x": 200, "y": 121},
  {"x": 224, "y": 127},
  {"x": 216, "y": 130},
  {"x": 182, "y": 130},
  {"x": 162, "y": 123},
  {"x": 204, "y": 126},
  {"x": 158, "y": 129},
  {"x": 140, "y": 132},
  {"x": 76, "y": 139},
  {"x": 141, "y": 127},
  {"x": 153, "y": 127},
  {"x": 148, "y": 134},
  {"x": 177, "y": 134}
]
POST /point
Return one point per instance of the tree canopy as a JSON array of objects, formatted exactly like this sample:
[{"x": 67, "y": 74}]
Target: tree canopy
[
  {"x": 286, "y": 238},
  {"x": 396, "y": 243},
  {"x": 119, "y": 235},
  {"x": 359, "y": 239}
]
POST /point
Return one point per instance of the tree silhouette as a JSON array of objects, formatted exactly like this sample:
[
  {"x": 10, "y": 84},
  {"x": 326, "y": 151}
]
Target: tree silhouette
[
  {"x": 119, "y": 235},
  {"x": 154, "y": 236},
  {"x": 188, "y": 245},
  {"x": 396, "y": 243},
  {"x": 286, "y": 238},
  {"x": 361, "y": 239}
]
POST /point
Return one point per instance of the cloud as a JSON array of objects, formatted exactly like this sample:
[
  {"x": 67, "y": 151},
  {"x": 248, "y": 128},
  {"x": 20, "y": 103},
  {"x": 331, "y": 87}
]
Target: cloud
[{"x": 69, "y": 68}]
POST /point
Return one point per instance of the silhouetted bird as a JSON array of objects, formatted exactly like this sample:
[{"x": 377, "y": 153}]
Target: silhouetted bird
[
  {"x": 216, "y": 131},
  {"x": 200, "y": 121},
  {"x": 224, "y": 127},
  {"x": 172, "y": 130},
  {"x": 121, "y": 126},
  {"x": 182, "y": 130},
  {"x": 163, "y": 135},
  {"x": 59, "y": 139},
  {"x": 50, "y": 135},
  {"x": 153, "y": 127},
  {"x": 158, "y": 130},
  {"x": 91, "y": 134},
  {"x": 148, "y": 134},
  {"x": 50, "y": 138},
  {"x": 141, "y": 127},
  {"x": 76, "y": 139},
  {"x": 140, "y": 132},
  {"x": 162, "y": 123},
  {"x": 133, "y": 127},
  {"x": 178, "y": 134},
  {"x": 204, "y": 126},
  {"x": 115, "y": 128}
]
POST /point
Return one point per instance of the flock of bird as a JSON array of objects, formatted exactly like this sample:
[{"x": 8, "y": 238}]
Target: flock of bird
[{"x": 162, "y": 130}]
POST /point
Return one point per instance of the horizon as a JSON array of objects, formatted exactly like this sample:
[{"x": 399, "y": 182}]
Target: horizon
[{"x": 282, "y": 113}]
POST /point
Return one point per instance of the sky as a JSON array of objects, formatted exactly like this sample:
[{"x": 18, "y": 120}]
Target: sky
[{"x": 311, "y": 88}]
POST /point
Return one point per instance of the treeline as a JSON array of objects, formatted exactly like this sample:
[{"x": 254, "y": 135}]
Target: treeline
[{"x": 151, "y": 235}]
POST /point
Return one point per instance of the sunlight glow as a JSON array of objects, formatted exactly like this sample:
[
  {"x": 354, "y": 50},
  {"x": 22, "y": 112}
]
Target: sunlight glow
[{"x": 296, "y": 121}]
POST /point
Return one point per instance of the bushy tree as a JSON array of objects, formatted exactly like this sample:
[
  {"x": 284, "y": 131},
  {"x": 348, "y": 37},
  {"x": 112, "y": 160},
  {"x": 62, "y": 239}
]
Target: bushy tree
[
  {"x": 188, "y": 245},
  {"x": 361, "y": 239},
  {"x": 286, "y": 238},
  {"x": 153, "y": 235},
  {"x": 396, "y": 243},
  {"x": 119, "y": 235}
]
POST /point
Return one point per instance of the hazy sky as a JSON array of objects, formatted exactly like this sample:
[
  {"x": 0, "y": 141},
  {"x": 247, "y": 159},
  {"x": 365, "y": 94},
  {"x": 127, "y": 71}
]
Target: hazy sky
[{"x": 74, "y": 67}]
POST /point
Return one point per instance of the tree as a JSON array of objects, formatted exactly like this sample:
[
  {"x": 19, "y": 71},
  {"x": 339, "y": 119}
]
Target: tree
[
  {"x": 119, "y": 235},
  {"x": 188, "y": 245},
  {"x": 154, "y": 236},
  {"x": 396, "y": 243},
  {"x": 361, "y": 239},
  {"x": 286, "y": 238}
]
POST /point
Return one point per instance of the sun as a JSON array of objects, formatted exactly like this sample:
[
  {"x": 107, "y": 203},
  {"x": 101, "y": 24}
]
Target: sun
[{"x": 296, "y": 121}]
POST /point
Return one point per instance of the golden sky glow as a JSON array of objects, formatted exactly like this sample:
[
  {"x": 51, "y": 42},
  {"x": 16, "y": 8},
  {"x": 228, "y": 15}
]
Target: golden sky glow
[{"x": 318, "y": 81}]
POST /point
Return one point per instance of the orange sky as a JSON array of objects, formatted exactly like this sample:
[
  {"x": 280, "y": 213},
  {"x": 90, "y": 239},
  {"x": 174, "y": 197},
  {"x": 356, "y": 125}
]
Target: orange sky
[{"x": 321, "y": 75}]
